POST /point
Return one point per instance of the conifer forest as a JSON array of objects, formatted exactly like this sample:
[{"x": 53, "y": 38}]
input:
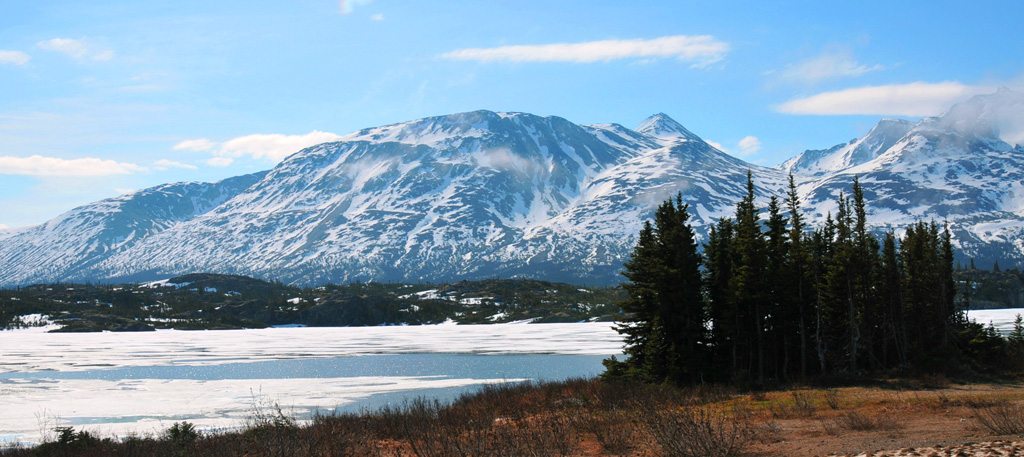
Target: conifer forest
[{"x": 770, "y": 300}]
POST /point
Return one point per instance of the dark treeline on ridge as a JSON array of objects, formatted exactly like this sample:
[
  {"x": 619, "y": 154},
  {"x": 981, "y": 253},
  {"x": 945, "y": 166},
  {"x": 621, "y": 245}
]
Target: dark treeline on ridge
[{"x": 772, "y": 300}]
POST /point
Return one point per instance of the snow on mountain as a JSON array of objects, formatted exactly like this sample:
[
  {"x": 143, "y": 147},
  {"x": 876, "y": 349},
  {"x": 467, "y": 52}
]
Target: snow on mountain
[
  {"x": 484, "y": 194},
  {"x": 952, "y": 168},
  {"x": 65, "y": 248},
  {"x": 436, "y": 198},
  {"x": 665, "y": 130},
  {"x": 821, "y": 162}
]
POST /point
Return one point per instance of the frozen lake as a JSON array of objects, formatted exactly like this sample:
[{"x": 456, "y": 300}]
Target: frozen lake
[{"x": 121, "y": 383}]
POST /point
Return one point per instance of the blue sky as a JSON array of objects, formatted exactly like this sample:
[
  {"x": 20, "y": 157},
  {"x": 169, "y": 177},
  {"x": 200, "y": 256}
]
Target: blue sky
[{"x": 102, "y": 97}]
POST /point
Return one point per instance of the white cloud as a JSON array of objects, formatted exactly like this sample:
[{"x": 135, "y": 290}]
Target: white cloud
[
  {"x": 220, "y": 161},
  {"x": 377, "y": 17},
  {"x": 164, "y": 164},
  {"x": 749, "y": 145},
  {"x": 716, "y": 144},
  {"x": 202, "y": 144},
  {"x": 4, "y": 227},
  {"x": 348, "y": 5},
  {"x": 273, "y": 146},
  {"x": 914, "y": 99},
  {"x": 77, "y": 49},
  {"x": 702, "y": 50},
  {"x": 14, "y": 57},
  {"x": 53, "y": 166},
  {"x": 831, "y": 64}
]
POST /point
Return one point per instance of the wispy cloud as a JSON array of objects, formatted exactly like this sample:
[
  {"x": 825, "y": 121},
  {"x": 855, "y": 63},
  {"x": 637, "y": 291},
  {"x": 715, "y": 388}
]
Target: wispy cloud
[
  {"x": 749, "y": 145},
  {"x": 220, "y": 161},
  {"x": 716, "y": 145},
  {"x": 831, "y": 64},
  {"x": 199, "y": 145},
  {"x": 913, "y": 99},
  {"x": 347, "y": 6},
  {"x": 52, "y": 166},
  {"x": 272, "y": 146},
  {"x": 14, "y": 57},
  {"x": 377, "y": 17},
  {"x": 702, "y": 50},
  {"x": 164, "y": 164},
  {"x": 78, "y": 49}
]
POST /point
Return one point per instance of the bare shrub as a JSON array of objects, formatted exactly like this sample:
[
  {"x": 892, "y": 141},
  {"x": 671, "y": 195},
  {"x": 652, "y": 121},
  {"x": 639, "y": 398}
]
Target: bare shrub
[
  {"x": 935, "y": 381},
  {"x": 698, "y": 432},
  {"x": 832, "y": 398},
  {"x": 857, "y": 421},
  {"x": 830, "y": 426},
  {"x": 802, "y": 404},
  {"x": 1001, "y": 419},
  {"x": 613, "y": 429}
]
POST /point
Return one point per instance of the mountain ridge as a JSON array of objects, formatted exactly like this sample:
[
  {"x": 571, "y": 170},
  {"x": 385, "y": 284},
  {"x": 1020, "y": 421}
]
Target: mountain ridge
[{"x": 483, "y": 194}]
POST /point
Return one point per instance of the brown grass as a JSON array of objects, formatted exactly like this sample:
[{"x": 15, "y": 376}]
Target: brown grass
[{"x": 592, "y": 418}]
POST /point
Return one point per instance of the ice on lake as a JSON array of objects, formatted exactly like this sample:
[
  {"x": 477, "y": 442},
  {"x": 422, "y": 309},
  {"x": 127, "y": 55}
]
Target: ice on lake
[
  {"x": 1001, "y": 319},
  {"x": 123, "y": 383}
]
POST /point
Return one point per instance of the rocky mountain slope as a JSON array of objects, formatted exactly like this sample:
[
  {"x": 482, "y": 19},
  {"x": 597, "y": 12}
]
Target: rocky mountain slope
[{"x": 483, "y": 194}]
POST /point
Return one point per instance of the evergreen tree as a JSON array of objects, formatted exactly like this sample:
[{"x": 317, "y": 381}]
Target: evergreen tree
[
  {"x": 798, "y": 272},
  {"x": 664, "y": 315},
  {"x": 748, "y": 284},
  {"x": 681, "y": 303},
  {"x": 771, "y": 293},
  {"x": 638, "y": 321},
  {"x": 781, "y": 313},
  {"x": 724, "y": 315}
]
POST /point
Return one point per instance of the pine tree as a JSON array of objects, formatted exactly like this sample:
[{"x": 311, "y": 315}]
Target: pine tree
[
  {"x": 781, "y": 313},
  {"x": 638, "y": 322},
  {"x": 664, "y": 322},
  {"x": 798, "y": 271},
  {"x": 719, "y": 258},
  {"x": 681, "y": 302},
  {"x": 748, "y": 282}
]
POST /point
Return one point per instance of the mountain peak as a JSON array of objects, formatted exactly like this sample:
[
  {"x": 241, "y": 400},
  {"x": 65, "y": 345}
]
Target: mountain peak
[
  {"x": 665, "y": 128},
  {"x": 996, "y": 115}
]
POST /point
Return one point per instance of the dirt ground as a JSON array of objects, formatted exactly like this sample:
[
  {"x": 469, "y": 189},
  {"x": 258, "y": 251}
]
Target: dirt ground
[{"x": 884, "y": 422}]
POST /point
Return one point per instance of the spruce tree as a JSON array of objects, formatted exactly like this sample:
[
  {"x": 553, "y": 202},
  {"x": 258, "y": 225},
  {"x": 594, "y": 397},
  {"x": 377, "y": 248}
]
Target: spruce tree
[
  {"x": 719, "y": 259},
  {"x": 748, "y": 283},
  {"x": 798, "y": 271},
  {"x": 664, "y": 315}
]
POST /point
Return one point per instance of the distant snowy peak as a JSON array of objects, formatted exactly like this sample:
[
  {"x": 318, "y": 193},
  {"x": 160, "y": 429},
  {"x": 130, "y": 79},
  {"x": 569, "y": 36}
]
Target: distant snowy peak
[
  {"x": 820, "y": 162},
  {"x": 486, "y": 194},
  {"x": 996, "y": 115},
  {"x": 665, "y": 129}
]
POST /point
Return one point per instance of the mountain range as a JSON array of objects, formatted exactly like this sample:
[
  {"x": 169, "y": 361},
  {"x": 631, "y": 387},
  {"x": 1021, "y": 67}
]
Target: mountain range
[{"x": 483, "y": 194}]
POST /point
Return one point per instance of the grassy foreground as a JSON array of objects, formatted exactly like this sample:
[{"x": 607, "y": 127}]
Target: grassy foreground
[{"x": 593, "y": 418}]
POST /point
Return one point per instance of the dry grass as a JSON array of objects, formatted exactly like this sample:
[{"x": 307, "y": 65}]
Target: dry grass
[
  {"x": 591, "y": 418},
  {"x": 1001, "y": 419}
]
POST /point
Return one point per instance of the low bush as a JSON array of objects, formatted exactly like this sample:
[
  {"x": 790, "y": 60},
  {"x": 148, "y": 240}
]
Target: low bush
[
  {"x": 697, "y": 432},
  {"x": 1001, "y": 419}
]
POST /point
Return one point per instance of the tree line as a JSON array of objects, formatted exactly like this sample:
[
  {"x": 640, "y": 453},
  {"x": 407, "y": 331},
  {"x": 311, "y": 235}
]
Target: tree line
[{"x": 772, "y": 300}]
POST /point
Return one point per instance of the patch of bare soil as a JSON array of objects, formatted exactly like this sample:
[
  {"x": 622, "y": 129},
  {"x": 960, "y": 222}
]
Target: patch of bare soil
[{"x": 958, "y": 420}]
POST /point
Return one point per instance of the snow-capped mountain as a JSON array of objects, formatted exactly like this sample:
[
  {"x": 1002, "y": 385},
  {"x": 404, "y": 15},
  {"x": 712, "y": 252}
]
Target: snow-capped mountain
[
  {"x": 73, "y": 242},
  {"x": 484, "y": 194},
  {"x": 820, "y": 162},
  {"x": 956, "y": 168}
]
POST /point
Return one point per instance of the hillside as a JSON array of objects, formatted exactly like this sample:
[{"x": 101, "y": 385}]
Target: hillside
[
  {"x": 209, "y": 301},
  {"x": 482, "y": 194}
]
